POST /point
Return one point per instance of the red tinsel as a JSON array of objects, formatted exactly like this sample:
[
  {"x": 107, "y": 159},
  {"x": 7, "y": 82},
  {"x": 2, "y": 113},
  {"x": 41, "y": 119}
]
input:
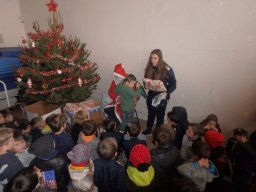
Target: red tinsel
[
  {"x": 66, "y": 86},
  {"x": 49, "y": 33},
  {"x": 83, "y": 67}
]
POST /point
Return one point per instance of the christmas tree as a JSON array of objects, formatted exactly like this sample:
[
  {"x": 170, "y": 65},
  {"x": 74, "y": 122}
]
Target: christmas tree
[{"x": 55, "y": 68}]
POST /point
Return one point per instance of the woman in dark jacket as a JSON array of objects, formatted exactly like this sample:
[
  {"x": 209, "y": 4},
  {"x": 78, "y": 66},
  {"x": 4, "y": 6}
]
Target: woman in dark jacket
[{"x": 157, "y": 69}]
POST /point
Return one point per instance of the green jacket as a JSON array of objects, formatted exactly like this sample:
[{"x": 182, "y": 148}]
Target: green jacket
[{"x": 127, "y": 95}]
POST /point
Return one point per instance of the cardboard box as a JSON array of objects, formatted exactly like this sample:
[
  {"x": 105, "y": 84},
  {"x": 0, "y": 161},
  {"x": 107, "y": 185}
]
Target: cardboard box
[
  {"x": 92, "y": 106},
  {"x": 42, "y": 109}
]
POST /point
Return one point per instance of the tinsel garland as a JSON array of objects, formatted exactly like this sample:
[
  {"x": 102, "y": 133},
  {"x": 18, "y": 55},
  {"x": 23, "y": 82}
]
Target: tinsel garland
[
  {"x": 21, "y": 71},
  {"x": 48, "y": 91}
]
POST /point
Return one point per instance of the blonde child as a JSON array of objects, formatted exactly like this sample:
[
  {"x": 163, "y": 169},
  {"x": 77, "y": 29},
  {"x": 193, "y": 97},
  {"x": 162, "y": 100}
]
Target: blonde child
[
  {"x": 109, "y": 175},
  {"x": 79, "y": 119},
  {"x": 127, "y": 97},
  {"x": 20, "y": 148},
  {"x": 39, "y": 128},
  {"x": 9, "y": 163}
]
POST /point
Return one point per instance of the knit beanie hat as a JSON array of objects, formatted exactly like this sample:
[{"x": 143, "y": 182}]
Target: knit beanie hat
[
  {"x": 139, "y": 155},
  {"x": 214, "y": 138},
  {"x": 80, "y": 154}
]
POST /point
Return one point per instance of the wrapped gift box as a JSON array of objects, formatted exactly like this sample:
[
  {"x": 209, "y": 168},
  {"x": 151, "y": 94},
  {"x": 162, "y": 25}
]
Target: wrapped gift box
[
  {"x": 92, "y": 106},
  {"x": 42, "y": 109}
]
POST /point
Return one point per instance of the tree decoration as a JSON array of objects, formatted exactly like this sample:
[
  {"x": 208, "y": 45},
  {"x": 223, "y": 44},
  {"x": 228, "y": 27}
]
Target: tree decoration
[
  {"x": 52, "y": 6},
  {"x": 59, "y": 71},
  {"x": 79, "y": 82},
  {"x": 55, "y": 68},
  {"x": 19, "y": 79},
  {"x": 29, "y": 83}
]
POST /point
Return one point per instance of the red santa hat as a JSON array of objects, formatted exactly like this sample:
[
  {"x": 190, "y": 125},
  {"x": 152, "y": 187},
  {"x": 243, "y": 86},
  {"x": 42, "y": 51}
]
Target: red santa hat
[{"x": 119, "y": 71}]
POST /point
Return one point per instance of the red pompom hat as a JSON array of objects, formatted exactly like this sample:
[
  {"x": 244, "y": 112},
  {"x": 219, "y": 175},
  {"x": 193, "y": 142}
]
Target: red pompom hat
[
  {"x": 214, "y": 138},
  {"x": 119, "y": 71},
  {"x": 140, "y": 155}
]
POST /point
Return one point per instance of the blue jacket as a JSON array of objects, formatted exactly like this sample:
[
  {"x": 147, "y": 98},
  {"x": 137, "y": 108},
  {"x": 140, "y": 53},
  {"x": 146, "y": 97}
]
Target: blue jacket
[
  {"x": 9, "y": 166},
  {"x": 64, "y": 142},
  {"x": 109, "y": 176}
]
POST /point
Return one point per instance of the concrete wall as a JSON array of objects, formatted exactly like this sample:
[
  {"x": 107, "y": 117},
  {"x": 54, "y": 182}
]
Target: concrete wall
[
  {"x": 11, "y": 27},
  {"x": 211, "y": 46}
]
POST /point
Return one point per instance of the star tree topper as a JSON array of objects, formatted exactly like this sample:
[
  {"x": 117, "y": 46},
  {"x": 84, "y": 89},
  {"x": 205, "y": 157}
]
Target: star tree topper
[{"x": 52, "y": 6}]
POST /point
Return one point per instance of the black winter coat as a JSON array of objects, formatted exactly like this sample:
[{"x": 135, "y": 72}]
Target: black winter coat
[{"x": 59, "y": 164}]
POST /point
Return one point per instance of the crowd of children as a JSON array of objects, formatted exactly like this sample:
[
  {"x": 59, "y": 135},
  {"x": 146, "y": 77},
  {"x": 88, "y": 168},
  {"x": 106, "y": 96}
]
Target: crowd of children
[{"x": 51, "y": 155}]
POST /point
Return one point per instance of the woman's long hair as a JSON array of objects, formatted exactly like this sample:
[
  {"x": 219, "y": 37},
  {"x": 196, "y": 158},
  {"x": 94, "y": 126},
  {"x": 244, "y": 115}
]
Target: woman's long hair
[{"x": 161, "y": 67}]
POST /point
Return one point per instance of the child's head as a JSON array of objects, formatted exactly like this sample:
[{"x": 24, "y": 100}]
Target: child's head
[
  {"x": 163, "y": 136},
  {"x": 201, "y": 149},
  {"x": 184, "y": 184},
  {"x": 25, "y": 180},
  {"x": 2, "y": 120},
  {"x": 253, "y": 139},
  {"x": 130, "y": 80},
  {"x": 89, "y": 128},
  {"x": 49, "y": 119},
  {"x": 44, "y": 148},
  {"x": 240, "y": 134},
  {"x": 214, "y": 139},
  {"x": 19, "y": 144},
  {"x": 172, "y": 118},
  {"x": 58, "y": 122},
  {"x": 107, "y": 148},
  {"x": 140, "y": 157},
  {"x": 210, "y": 122},
  {"x": 194, "y": 131},
  {"x": 81, "y": 116},
  {"x": 109, "y": 124},
  {"x": 24, "y": 126},
  {"x": 8, "y": 116},
  {"x": 37, "y": 123},
  {"x": 6, "y": 139},
  {"x": 133, "y": 130},
  {"x": 80, "y": 154}
]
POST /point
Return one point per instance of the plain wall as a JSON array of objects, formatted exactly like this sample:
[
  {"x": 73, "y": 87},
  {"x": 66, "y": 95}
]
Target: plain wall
[
  {"x": 211, "y": 46},
  {"x": 11, "y": 27}
]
